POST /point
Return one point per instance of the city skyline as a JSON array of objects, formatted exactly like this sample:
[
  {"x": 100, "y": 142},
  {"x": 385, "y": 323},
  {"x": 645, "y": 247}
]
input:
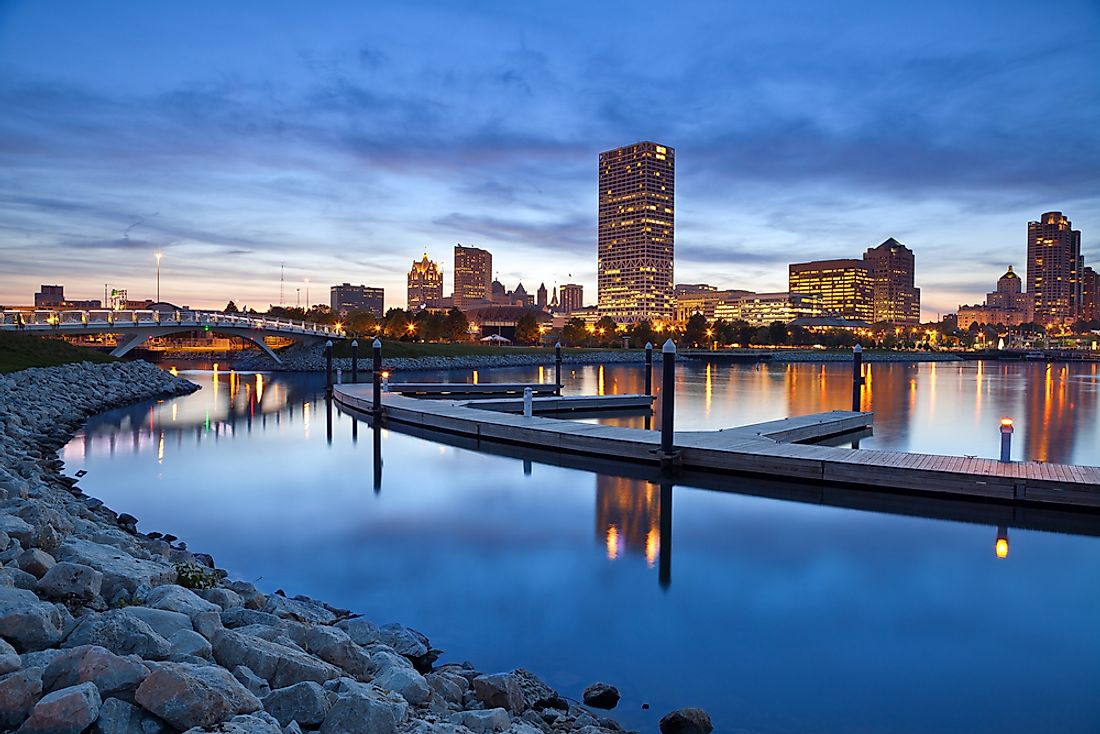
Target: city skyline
[{"x": 268, "y": 149}]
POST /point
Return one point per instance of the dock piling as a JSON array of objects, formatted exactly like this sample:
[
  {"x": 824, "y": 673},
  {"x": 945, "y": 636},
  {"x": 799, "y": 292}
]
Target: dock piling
[
  {"x": 376, "y": 376},
  {"x": 857, "y": 378},
  {"x": 1006, "y": 440},
  {"x": 668, "y": 395},
  {"x": 557, "y": 368},
  {"x": 355, "y": 361},
  {"x": 528, "y": 402},
  {"x": 649, "y": 368},
  {"x": 328, "y": 365}
]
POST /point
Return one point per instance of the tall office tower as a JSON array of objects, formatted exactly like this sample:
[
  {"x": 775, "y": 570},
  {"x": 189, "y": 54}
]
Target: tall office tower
[
  {"x": 636, "y": 230},
  {"x": 348, "y": 297},
  {"x": 425, "y": 283},
  {"x": 540, "y": 297},
  {"x": 1090, "y": 309},
  {"x": 473, "y": 275},
  {"x": 572, "y": 297},
  {"x": 1054, "y": 268},
  {"x": 844, "y": 286},
  {"x": 895, "y": 299}
]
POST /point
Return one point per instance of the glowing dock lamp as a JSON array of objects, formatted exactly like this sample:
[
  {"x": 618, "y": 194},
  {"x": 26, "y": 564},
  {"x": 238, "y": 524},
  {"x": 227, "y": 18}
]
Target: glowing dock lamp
[
  {"x": 1006, "y": 440},
  {"x": 1001, "y": 546}
]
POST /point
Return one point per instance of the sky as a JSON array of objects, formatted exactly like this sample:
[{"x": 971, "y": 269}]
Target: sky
[{"x": 339, "y": 141}]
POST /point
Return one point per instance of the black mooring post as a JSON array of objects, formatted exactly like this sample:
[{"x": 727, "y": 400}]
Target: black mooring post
[
  {"x": 649, "y": 368},
  {"x": 668, "y": 396},
  {"x": 328, "y": 366},
  {"x": 354, "y": 361},
  {"x": 376, "y": 406},
  {"x": 857, "y": 378},
  {"x": 557, "y": 368}
]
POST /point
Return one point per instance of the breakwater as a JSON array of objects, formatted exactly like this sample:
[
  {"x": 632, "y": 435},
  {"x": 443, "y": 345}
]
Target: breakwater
[{"x": 104, "y": 626}]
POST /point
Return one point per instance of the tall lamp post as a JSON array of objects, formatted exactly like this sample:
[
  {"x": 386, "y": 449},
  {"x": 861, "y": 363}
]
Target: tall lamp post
[
  {"x": 307, "y": 294},
  {"x": 159, "y": 256}
]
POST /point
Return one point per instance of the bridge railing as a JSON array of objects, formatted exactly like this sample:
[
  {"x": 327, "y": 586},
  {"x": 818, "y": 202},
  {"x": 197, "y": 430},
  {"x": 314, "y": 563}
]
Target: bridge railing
[{"x": 43, "y": 319}]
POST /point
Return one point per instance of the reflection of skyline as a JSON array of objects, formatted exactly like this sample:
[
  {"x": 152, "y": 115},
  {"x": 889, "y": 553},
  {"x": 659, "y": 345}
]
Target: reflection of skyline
[
  {"x": 1049, "y": 430},
  {"x": 628, "y": 517}
]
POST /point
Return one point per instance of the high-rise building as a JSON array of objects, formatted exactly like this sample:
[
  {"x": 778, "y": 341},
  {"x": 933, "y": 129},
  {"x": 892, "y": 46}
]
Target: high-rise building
[
  {"x": 1090, "y": 309},
  {"x": 347, "y": 297},
  {"x": 844, "y": 286},
  {"x": 425, "y": 284},
  {"x": 540, "y": 297},
  {"x": 1008, "y": 305},
  {"x": 764, "y": 309},
  {"x": 572, "y": 297},
  {"x": 895, "y": 299},
  {"x": 1054, "y": 268},
  {"x": 53, "y": 296},
  {"x": 636, "y": 231},
  {"x": 473, "y": 276}
]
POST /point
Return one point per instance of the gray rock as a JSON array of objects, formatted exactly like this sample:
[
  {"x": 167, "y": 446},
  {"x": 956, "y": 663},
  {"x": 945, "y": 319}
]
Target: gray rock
[
  {"x": 67, "y": 711},
  {"x": 121, "y": 571},
  {"x": 112, "y": 674},
  {"x": 18, "y": 528},
  {"x": 536, "y": 694},
  {"x": 254, "y": 683},
  {"x": 258, "y": 723},
  {"x": 189, "y": 642},
  {"x": 405, "y": 640},
  {"x": 5, "y": 539},
  {"x": 300, "y": 611},
  {"x": 332, "y": 645},
  {"x": 240, "y": 617},
  {"x": 292, "y": 728},
  {"x": 67, "y": 580},
  {"x": 20, "y": 579},
  {"x": 118, "y": 717},
  {"x": 35, "y": 562},
  {"x": 482, "y": 722},
  {"x": 364, "y": 712},
  {"x": 395, "y": 673},
  {"x": 163, "y": 622},
  {"x": 121, "y": 633},
  {"x": 192, "y": 695},
  {"x": 361, "y": 630},
  {"x": 449, "y": 686},
  {"x": 601, "y": 696},
  {"x": 27, "y": 622},
  {"x": 499, "y": 690},
  {"x": 9, "y": 658},
  {"x": 251, "y": 597},
  {"x": 178, "y": 599},
  {"x": 280, "y": 665},
  {"x": 686, "y": 721},
  {"x": 224, "y": 598},
  {"x": 18, "y": 693},
  {"x": 40, "y": 658},
  {"x": 303, "y": 702},
  {"x": 207, "y": 624}
]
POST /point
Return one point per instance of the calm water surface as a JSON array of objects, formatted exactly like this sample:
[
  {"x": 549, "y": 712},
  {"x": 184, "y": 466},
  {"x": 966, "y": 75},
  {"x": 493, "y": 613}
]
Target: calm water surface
[{"x": 774, "y": 615}]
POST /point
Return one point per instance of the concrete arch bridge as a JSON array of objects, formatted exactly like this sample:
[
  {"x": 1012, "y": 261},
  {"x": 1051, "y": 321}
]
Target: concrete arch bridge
[{"x": 137, "y": 326}]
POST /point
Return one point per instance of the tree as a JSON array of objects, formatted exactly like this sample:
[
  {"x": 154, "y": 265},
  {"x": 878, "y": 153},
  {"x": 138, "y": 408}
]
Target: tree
[
  {"x": 231, "y": 307},
  {"x": 605, "y": 330},
  {"x": 456, "y": 327},
  {"x": 527, "y": 329},
  {"x": 642, "y": 333},
  {"x": 696, "y": 330},
  {"x": 573, "y": 334},
  {"x": 777, "y": 333},
  {"x": 361, "y": 323}
]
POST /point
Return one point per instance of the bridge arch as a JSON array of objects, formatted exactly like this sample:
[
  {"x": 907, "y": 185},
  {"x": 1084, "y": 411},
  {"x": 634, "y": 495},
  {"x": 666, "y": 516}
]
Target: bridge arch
[{"x": 136, "y": 337}]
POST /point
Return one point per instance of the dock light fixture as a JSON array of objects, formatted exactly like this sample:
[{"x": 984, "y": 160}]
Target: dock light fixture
[{"x": 1006, "y": 440}]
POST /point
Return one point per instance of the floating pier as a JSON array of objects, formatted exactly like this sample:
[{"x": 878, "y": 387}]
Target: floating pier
[{"x": 768, "y": 449}]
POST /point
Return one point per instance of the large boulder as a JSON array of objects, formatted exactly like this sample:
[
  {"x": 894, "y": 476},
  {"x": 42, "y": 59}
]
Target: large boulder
[
  {"x": 363, "y": 711},
  {"x": 18, "y": 693},
  {"x": 280, "y": 665},
  {"x": 224, "y": 598},
  {"x": 362, "y": 631},
  {"x": 189, "y": 643},
  {"x": 162, "y": 621},
  {"x": 187, "y": 695},
  {"x": 395, "y": 673},
  {"x": 601, "y": 696},
  {"x": 500, "y": 690},
  {"x": 258, "y": 723},
  {"x": 27, "y": 622},
  {"x": 332, "y": 645},
  {"x": 686, "y": 721},
  {"x": 119, "y": 717},
  {"x": 305, "y": 702},
  {"x": 18, "y": 528},
  {"x": 254, "y": 683},
  {"x": 67, "y": 580},
  {"x": 67, "y": 711},
  {"x": 178, "y": 599},
  {"x": 450, "y": 686},
  {"x": 9, "y": 658},
  {"x": 243, "y": 617},
  {"x": 113, "y": 675},
  {"x": 483, "y": 721},
  {"x": 298, "y": 610},
  {"x": 121, "y": 633},
  {"x": 121, "y": 571},
  {"x": 35, "y": 562}
]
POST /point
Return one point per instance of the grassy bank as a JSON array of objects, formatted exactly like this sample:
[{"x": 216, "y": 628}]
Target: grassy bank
[
  {"x": 398, "y": 349},
  {"x": 20, "y": 351}
]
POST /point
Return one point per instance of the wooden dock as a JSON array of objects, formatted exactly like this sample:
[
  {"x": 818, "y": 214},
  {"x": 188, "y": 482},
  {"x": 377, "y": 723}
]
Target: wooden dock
[
  {"x": 762, "y": 450},
  {"x": 588, "y": 404},
  {"x": 459, "y": 389}
]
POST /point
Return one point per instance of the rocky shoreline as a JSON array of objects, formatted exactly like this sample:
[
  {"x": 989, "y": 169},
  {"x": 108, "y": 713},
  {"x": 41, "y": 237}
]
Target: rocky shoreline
[{"x": 107, "y": 630}]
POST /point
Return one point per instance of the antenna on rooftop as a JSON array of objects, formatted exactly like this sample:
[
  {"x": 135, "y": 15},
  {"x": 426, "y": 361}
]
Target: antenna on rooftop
[{"x": 282, "y": 273}]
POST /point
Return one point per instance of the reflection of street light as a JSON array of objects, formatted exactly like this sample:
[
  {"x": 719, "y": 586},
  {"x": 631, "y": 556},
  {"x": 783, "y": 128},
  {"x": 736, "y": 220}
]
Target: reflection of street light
[
  {"x": 1001, "y": 546},
  {"x": 159, "y": 256}
]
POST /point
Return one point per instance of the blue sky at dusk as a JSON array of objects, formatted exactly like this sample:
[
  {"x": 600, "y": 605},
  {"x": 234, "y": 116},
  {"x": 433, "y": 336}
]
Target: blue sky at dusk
[{"x": 346, "y": 139}]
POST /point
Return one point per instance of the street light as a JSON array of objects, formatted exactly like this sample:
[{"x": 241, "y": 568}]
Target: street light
[
  {"x": 159, "y": 256},
  {"x": 307, "y": 294}
]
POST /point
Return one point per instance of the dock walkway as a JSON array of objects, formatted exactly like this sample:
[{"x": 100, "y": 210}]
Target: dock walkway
[{"x": 765, "y": 449}]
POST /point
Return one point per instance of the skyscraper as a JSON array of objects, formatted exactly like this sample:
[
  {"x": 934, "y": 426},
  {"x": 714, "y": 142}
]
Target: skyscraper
[
  {"x": 540, "y": 297},
  {"x": 347, "y": 297},
  {"x": 1054, "y": 269},
  {"x": 844, "y": 286},
  {"x": 473, "y": 275},
  {"x": 1090, "y": 309},
  {"x": 636, "y": 230},
  {"x": 425, "y": 283},
  {"x": 895, "y": 299},
  {"x": 572, "y": 297}
]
